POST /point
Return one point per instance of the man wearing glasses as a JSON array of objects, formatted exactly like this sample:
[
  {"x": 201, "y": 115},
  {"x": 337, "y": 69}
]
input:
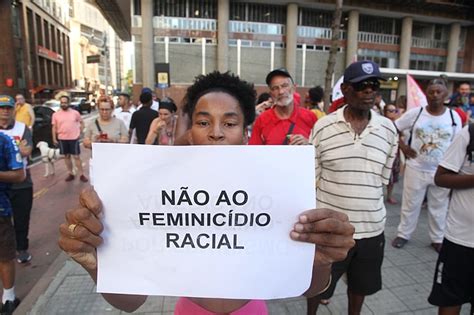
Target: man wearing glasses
[
  {"x": 285, "y": 122},
  {"x": 355, "y": 150}
]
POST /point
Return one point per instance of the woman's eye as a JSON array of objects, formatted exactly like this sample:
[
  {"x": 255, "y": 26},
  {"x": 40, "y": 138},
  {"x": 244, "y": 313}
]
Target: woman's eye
[{"x": 203, "y": 123}]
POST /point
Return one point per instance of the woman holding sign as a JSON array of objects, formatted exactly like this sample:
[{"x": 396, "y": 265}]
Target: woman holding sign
[{"x": 220, "y": 107}]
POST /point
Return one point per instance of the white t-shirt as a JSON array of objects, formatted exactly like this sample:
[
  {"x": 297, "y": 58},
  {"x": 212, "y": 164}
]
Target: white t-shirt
[
  {"x": 431, "y": 136},
  {"x": 460, "y": 220},
  {"x": 126, "y": 117}
]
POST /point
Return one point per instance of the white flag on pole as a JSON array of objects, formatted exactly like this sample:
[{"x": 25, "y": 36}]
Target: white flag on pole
[{"x": 415, "y": 95}]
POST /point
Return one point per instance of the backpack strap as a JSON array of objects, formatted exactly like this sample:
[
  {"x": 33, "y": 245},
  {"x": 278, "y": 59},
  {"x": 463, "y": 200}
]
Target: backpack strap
[
  {"x": 470, "y": 146},
  {"x": 413, "y": 126},
  {"x": 453, "y": 123}
]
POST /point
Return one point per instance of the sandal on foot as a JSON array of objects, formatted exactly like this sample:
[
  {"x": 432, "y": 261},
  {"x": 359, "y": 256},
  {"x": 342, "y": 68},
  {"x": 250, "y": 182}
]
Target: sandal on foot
[{"x": 399, "y": 242}]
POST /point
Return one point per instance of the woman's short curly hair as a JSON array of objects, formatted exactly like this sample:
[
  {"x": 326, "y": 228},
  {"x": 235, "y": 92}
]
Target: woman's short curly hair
[{"x": 227, "y": 82}]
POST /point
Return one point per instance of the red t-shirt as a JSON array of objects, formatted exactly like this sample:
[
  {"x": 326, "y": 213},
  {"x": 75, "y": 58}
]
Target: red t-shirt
[{"x": 271, "y": 130}]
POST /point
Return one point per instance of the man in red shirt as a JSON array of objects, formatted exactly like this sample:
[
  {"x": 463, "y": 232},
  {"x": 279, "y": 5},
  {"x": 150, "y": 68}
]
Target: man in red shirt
[{"x": 285, "y": 122}]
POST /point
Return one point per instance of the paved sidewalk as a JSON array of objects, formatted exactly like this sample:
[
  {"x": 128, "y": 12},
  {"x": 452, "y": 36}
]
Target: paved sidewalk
[{"x": 407, "y": 280}]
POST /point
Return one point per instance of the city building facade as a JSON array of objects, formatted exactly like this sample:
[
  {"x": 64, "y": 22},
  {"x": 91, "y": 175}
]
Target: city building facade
[
  {"x": 252, "y": 37},
  {"x": 35, "y": 52},
  {"x": 93, "y": 37}
]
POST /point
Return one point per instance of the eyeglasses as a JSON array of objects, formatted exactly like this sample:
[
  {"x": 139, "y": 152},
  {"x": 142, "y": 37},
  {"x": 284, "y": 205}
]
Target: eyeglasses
[{"x": 360, "y": 86}]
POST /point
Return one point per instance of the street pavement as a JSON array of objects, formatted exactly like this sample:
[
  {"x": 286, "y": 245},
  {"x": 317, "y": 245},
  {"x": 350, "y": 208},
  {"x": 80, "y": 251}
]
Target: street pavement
[{"x": 65, "y": 288}]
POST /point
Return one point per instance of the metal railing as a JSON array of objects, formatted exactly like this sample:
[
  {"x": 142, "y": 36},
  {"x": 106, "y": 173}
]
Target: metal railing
[
  {"x": 378, "y": 38},
  {"x": 318, "y": 32},
  {"x": 256, "y": 28},
  {"x": 166, "y": 22},
  {"x": 428, "y": 43}
]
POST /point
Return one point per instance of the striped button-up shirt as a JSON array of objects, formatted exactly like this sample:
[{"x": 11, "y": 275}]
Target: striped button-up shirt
[{"x": 351, "y": 169}]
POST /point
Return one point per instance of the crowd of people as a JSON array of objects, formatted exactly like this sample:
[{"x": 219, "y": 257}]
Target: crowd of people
[{"x": 362, "y": 149}]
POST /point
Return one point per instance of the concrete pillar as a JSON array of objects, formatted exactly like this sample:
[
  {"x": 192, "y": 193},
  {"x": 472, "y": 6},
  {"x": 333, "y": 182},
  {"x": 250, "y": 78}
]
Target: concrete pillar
[
  {"x": 148, "y": 62},
  {"x": 223, "y": 35},
  {"x": 453, "y": 47},
  {"x": 352, "y": 37},
  {"x": 291, "y": 37},
  {"x": 405, "y": 45}
]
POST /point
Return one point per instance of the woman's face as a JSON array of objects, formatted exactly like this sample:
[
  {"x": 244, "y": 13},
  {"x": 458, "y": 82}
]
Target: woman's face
[
  {"x": 217, "y": 120},
  {"x": 105, "y": 110},
  {"x": 165, "y": 115},
  {"x": 391, "y": 112}
]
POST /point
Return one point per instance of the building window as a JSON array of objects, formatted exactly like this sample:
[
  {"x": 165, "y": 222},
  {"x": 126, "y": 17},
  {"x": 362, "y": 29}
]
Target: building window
[
  {"x": 427, "y": 62},
  {"x": 256, "y": 12},
  {"x": 202, "y": 9},
  {"x": 315, "y": 18},
  {"x": 381, "y": 25},
  {"x": 385, "y": 59},
  {"x": 175, "y": 8},
  {"x": 137, "y": 7}
]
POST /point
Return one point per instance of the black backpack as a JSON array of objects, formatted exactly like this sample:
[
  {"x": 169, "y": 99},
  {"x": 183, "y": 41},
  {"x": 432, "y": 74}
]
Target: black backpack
[{"x": 470, "y": 146}]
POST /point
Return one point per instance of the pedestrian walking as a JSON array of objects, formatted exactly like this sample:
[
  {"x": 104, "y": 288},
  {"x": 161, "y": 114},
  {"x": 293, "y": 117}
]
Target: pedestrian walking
[
  {"x": 453, "y": 283},
  {"x": 11, "y": 171},
  {"x": 142, "y": 119},
  {"x": 355, "y": 150},
  {"x": 24, "y": 112},
  {"x": 125, "y": 110},
  {"x": 67, "y": 126},
  {"x": 431, "y": 130},
  {"x": 105, "y": 128},
  {"x": 20, "y": 194},
  {"x": 285, "y": 122}
]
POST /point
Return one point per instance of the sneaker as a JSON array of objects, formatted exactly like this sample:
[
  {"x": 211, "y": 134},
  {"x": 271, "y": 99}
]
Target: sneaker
[
  {"x": 10, "y": 306},
  {"x": 399, "y": 242},
  {"x": 83, "y": 179},
  {"x": 23, "y": 257},
  {"x": 69, "y": 178}
]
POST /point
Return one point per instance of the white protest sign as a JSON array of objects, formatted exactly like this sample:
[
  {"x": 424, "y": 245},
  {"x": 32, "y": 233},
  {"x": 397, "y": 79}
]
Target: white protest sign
[{"x": 204, "y": 221}]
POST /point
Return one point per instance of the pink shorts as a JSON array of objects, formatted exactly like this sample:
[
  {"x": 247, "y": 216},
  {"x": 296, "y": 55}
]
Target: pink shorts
[{"x": 185, "y": 306}]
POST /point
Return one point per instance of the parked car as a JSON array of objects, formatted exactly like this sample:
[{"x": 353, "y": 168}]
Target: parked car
[
  {"x": 81, "y": 104},
  {"x": 52, "y": 103},
  {"x": 42, "y": 129}
]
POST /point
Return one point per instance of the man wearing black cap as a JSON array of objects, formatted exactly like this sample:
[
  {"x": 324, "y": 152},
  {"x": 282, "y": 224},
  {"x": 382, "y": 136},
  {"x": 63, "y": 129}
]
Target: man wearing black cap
[
  {"x": 142, "y": 118},
  {"x": 355, "y": 149},
  {"x": 285, "y": 122}
]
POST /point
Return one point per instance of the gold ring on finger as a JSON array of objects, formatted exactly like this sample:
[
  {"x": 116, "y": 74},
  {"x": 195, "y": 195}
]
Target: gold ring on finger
[{"x": 72, "y": 228}]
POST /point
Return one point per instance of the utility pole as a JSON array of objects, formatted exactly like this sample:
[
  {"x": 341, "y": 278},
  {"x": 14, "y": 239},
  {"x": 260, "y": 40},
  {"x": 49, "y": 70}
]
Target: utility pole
[{"x": 106, "y": 57}]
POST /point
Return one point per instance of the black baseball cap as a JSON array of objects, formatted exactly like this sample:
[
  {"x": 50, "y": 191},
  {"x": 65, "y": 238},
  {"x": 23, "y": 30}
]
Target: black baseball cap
[
  {"x": 362, "y": 70},
  {"x": 279, "y": 71}
]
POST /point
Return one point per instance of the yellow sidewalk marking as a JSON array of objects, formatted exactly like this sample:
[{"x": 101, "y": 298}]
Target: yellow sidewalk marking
[{"x": 40, "y": 193}]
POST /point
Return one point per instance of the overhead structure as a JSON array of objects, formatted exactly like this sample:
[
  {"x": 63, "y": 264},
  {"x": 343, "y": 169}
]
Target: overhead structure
[{"x": 117, "y": 13}]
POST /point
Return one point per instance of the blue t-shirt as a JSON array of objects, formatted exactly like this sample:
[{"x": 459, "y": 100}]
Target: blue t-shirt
[{"x": 10, "y": 159}]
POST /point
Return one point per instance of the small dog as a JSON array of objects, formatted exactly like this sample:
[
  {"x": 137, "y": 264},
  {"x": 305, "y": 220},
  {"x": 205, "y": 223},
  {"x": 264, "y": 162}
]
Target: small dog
[{"x": 49, "y": 156}]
